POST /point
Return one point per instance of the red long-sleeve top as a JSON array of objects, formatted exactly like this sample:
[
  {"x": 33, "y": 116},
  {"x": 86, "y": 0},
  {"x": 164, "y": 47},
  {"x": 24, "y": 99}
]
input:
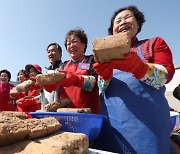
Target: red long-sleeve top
[
  {"x": 155, "y": 50},
  {"x": 5, "y": 104}
]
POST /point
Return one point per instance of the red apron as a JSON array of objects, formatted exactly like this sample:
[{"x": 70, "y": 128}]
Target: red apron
[
  {"x": 79, "y": 97},
  {"x": 30, "y": 107}
]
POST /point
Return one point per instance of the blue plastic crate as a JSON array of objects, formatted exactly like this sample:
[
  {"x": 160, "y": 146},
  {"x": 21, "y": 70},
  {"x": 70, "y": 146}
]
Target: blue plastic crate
[{"x": 88, "y": 124}]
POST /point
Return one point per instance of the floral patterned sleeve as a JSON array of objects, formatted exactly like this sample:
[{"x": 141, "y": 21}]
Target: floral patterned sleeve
[
  {"x": 161, "y": 68},
  {"x": 90, "y": 80},
  {"x": 102, "y": 84},
  {"x": 156, "y": 76},
  {"x": 89, "y": 83}
]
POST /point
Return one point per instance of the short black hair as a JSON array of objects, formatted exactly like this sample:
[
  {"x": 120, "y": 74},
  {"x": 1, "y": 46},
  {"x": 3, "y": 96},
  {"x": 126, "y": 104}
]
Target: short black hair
[
  {"x": 176, "y": 92},
  {"x": 7, "y": 72},
  {"x": 57, "y": 45}
]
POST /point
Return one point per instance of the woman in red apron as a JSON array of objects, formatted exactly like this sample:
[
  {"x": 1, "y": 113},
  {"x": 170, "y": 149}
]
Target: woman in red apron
[
  {"x": 137, "y": 111},
  {"x": 79, "y": 85},
  {"x": 30, "y": 101}
]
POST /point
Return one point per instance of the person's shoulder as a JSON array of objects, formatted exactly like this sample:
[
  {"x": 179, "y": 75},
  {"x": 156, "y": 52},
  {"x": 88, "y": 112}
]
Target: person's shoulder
[
  {"x": 11, "y": 85},
  {"x": 55, "y": 66},
  {"x": 176, "y": 92},
  {"x": 63, "y": 64},
  {"x": 159, "y": 41},
  {"x": 58, "y": 64},
  {"x": 89, "y": 58},
  {"x": 153, "y": 40},
  {"x": 158, "y": 38}
]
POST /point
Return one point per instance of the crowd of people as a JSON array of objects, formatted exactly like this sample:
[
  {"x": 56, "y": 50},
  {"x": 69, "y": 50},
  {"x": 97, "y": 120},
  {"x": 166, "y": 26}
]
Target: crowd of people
[{"x": 129, "y": 91}]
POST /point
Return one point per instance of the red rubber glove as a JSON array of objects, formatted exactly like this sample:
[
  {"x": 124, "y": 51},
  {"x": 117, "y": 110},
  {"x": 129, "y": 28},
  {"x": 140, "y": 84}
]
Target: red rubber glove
[
  {"x": 18, "y": 95},
  {"x": 131, "y": 63},
  {"x": 51, "y": 87},
  {"x": 105, "y": 70},
  {"x": 71, "y": 79},
  {"x": 32, "y": 79},
  {"x": 27, "y": 101},
  {"x": 36, "y": 86}
]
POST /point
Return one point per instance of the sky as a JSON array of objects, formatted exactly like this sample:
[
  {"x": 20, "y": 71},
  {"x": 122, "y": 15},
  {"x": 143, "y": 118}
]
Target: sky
[{"x": 28, "y": 26}]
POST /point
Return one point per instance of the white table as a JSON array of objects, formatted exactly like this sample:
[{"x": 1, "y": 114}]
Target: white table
[{"x": 95, "y": 151}]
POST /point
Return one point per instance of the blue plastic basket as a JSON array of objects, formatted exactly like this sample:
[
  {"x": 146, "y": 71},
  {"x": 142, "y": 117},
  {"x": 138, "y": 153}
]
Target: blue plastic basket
[{"x": 88, "y": 124}]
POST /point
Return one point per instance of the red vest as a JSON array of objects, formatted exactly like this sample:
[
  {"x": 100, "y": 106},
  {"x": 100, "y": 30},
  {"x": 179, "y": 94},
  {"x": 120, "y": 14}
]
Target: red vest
[{"x": 79, "y": 97}]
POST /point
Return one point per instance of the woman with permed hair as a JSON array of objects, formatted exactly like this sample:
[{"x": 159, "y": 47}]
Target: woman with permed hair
[
  {"x": 79, "y": 85},
  {"x": 6, "y": 103},
  {"x": 22, "y": 76},
  {"x": 132, "y": 88}
]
